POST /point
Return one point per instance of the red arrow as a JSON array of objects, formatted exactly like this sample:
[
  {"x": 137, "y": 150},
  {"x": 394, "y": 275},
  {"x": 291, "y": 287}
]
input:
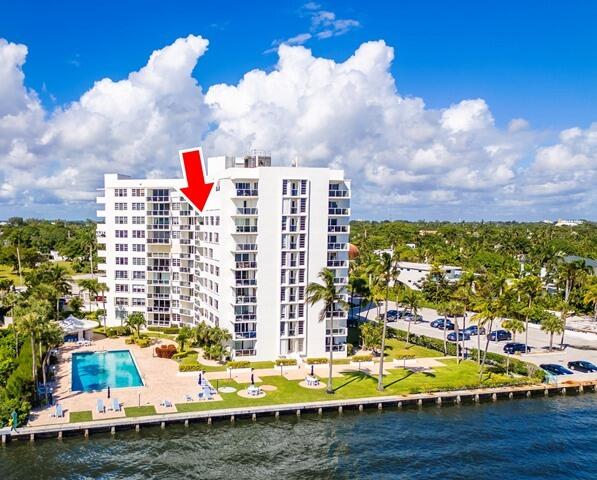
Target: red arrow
[{"x": 197, "y": 192}]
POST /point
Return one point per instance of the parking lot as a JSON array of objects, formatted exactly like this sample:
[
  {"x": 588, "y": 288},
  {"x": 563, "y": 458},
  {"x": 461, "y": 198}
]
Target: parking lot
[{"x": 578, "y": 345}]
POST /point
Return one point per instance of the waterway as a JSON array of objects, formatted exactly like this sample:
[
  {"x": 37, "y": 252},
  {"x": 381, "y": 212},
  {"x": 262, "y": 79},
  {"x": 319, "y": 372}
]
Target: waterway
[{"x": 540, "y": 438}]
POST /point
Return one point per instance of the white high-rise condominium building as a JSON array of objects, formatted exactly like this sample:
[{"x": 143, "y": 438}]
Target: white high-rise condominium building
[{"x": 243, "y": 263}]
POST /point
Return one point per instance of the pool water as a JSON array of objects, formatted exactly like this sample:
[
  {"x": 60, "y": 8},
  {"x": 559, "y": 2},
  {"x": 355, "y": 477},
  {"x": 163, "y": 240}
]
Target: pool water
[{"x": 100, "y": 370}]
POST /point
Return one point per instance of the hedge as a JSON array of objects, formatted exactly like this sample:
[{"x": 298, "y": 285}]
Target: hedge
[
  {"x": 285, "y": 362},
  {"x": 427, "y": 342},
  {"x": 118, "y": 331},
  {"x": 316, "y": 360},
  {"x": 143, "y": 342},
  {"x": 167, "y": 330},
  {"x": 190, "y": 367},
  {"x": 238, "y": 364},
  {"x": 362, "y": 358}
]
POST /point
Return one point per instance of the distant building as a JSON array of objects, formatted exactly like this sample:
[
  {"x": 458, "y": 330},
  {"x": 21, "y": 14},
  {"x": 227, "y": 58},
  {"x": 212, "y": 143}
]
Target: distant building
[
  {"x": 568, "y": 223},
  {"x": 589, "y": 262}
]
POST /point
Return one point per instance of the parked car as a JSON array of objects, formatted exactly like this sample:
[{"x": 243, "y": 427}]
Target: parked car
[
  {"x": 582, "y": 366},
  {"x": 474, "y": 330},
  {"x": 555, "y": 369},
  {"x": 442, "y": 324},
  {"x": 392, "y": 315},
  {"x": 515, "y": 347},
  {"x": 499, "y": 335},
  {"x": 461, "y": 336}
]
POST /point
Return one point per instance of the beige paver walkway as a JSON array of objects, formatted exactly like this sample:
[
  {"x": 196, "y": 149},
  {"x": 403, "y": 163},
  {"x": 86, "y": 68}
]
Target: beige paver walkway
[{"x": 160, "y": 378}]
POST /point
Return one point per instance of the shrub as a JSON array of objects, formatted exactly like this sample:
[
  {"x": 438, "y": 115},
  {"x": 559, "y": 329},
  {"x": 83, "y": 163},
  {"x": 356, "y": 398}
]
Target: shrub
[
  {"x": 166, "y": 351},
  {"x": 427, "y": 342},
  {"x": 190, "y": 367},
  {"x": 118, "y": 331},
  {"x": 143, "y": 342},
  {"x": 180, "y": 355},
  {"x": 316, "y": 360},
  {"x": 238, "y": 364},
  {"x": 167, "y": 330},
  {"x": 285, "y": 362},
  {"x": 129, "y": 340},
  {"x": 362, "y": 358}
]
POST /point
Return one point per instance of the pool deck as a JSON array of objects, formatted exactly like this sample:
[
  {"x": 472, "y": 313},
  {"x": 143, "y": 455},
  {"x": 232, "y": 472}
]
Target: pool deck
[
  {"x": 161, "y": 381},
  {"x": 437, "y": 399}
]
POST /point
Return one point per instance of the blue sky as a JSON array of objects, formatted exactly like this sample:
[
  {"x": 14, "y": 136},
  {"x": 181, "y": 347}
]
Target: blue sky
[
  {"x": 531, "y": 59},
  {"x": 465, "y": 73}
]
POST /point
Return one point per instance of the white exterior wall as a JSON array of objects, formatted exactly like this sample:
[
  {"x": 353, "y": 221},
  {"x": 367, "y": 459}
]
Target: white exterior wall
[{"x": 216, "y": 295}]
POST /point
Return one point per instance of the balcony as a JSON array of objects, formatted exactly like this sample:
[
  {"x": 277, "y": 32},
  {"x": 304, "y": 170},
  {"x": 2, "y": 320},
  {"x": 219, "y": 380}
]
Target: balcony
[
  {"x": 245, "y": 353},
  {"x": 100, "y": 200},
  {"x": 244, "y": 282},
  {"x": 338, "y": 228},
  {"x": 339, "y": 193},
  {"x": 338, "y": 211},
  {"x": 244, "y": 335},
  {"x": 337, "y": 263},
  {"x": 245, "y": 317},
  {"x": 247, "y": 192},
  {"x": 246, "y": 211},
  {"x": 337, "y": 246},
  {"x": 245, "y": 299},
  {"x": 246, "y": 229},
  {"x": 158, "y": 213},
  {"x": 159, "y": 198},
  {"x": 160, "y": 241},
  {"x": 245, "y": 247},
  {"x": 245, "y": 265},
  {"x": 100, "y": 213}
]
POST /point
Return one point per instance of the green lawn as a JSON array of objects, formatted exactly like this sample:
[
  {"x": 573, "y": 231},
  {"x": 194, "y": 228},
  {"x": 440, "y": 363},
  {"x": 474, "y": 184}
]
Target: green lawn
[
  {"x": 357, "y": 385},
  {"x": 84, "y": 416},
  {"x": 140, "y": 411},
  {"x": 6, "y": 272},
  {"x": 395, "y": 348}
]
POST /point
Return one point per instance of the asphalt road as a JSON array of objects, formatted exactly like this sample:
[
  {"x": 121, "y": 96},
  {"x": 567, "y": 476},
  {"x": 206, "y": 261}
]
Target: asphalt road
[{"x": 578, "y": 346}]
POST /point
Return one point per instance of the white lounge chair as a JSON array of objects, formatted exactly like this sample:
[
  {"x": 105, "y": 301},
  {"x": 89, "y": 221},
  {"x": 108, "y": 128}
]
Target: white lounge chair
[
  {"x": 101, "y": 408},
  {"x": 116, "y": 405}
]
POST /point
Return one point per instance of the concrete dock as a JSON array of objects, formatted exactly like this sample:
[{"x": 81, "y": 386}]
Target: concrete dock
[{"x": 296, "y": 409}]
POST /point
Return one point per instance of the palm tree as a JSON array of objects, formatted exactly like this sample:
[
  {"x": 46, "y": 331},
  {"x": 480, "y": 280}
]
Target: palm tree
[
  {"x": 332, "y": 299},
  {"x": 184, "y": 334},
  {"x": 456, "y": 309},
  {"x": 565, "y": 312},
  {"x": 514, "y": 326},
  {"x": 387, "y": 269},
  {"x": 530, "y": 287},
  {"x": 51, "y": 335},
  {"x": 488, "y": 312},
  {"x": 92, "y": 286},
  {"x": 443, "y": 309},
  {"x": 570, "y": 273},
  {"x": 412, "y": 300},
  {"x": 591, "y": 297},
  {"x": 135, "y": 321},
  {"x": 553, "y": 325}
]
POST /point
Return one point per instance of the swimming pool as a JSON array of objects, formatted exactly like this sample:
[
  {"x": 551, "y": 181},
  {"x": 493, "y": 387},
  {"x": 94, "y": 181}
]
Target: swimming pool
[{"x": 100, "y": 370}]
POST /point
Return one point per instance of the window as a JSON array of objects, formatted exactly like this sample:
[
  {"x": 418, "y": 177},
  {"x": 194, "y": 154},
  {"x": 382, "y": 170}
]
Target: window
[
  {"x": 122, "y": 247},
  {"x": 122, "y": 234},
  {"x": 138, "y": 247},
  {"x": 138, "y": 275},
  {"x": 122, "y": 261},
  {"x": 138, "y": 192},
  {"x": 138, "y": 233},
  {"x": 121, "y": 220},
  {"x": 138, "y": 288},
  {"x": 122, "y": 302},
  {"x": 120, "y": 206},
  {"x": 121, "y": 275},
  {"x": 138, "y": 302},
  {"x": 122, "y": 288},
  {"x": 138, "y": 206},
  {"x": 139, "y": 261},
  {"x": 120, "y": 192},
  {"x": 138, "y": 220}
]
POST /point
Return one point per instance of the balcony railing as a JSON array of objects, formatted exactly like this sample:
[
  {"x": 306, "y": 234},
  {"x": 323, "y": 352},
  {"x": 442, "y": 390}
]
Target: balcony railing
[
  {"x": 245, "y": 353},
  {"x": 337, "y": 263},
  {"x": 245, "y": 247},
  {"x": 338, "y": 228},
  {"x": 245, "y": 265},
  {"x": 247, "y": 192},
  {"x": 246, "y": 211},
  {"x": 244, "y": 335},
  {"x": 246, "y": 299},
  {"x": 339, "y": 193},
  {"x": 246, "y": 229},
  {"x": 338, "y": 211},
  {"x": 337, "y": 246},
  {"x": 242, "y": 282},
  {"x": 244, "y": 317}
]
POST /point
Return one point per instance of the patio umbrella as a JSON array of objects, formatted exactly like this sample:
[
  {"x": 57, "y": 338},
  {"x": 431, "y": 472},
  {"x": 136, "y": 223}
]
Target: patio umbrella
[
  {"x": 108, "y": 391},
  {"x": 199, "y": 381},
  {"x": 312, "y": 371},
  {"x": 252, "y": 379}
]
